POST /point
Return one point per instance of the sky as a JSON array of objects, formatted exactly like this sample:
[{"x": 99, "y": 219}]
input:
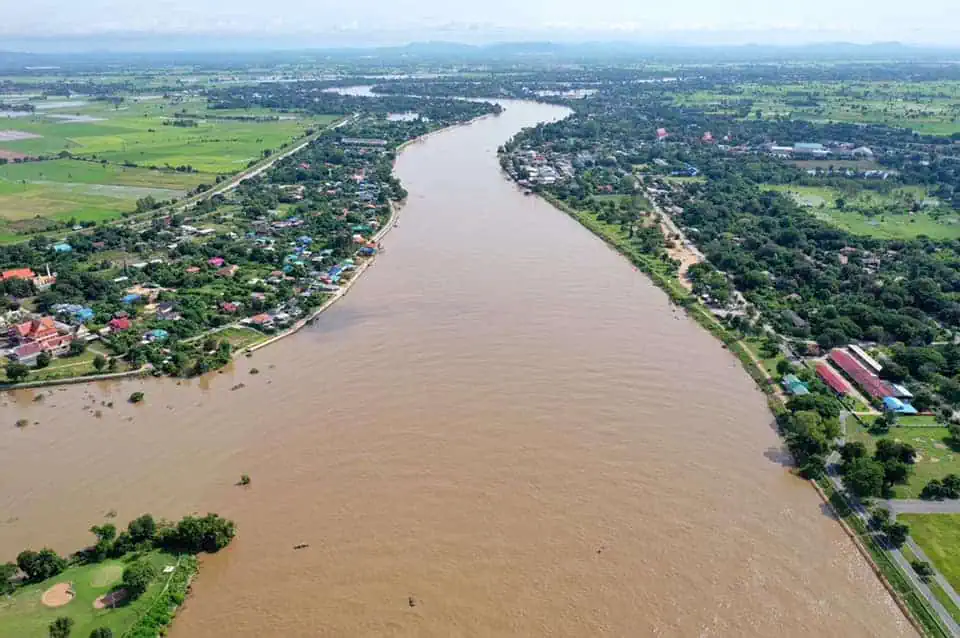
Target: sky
[{"x": 364, "y": 22}]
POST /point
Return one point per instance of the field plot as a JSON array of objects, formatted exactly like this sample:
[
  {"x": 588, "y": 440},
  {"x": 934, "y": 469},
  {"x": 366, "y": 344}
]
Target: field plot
[
  {"x": 143, "y": 132},
  {"x": 64, "y": 190},
  {"x": 884, "y": 216},
  {"x": 925, "y": 107},
  {"x": 143, "y": 146},
  {"x": 73, "y": 593},
  {"x": 938, "y": 535}
]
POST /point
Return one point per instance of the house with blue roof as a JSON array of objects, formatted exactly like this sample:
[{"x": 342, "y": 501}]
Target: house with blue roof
[
  {"x": 62, "y": 248},
  {"x": 895, "y": 405}
]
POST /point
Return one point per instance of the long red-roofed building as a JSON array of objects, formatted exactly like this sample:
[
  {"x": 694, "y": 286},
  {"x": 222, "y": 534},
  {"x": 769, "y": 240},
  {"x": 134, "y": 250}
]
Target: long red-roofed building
[
  {"x": 861, "y": 375},
  {"x": 832, "y": 379},
  {"x": 18, "y": 273}
]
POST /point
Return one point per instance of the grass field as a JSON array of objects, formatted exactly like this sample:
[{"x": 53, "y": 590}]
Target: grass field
[
  {"x": 24, "y": 616},
  {"x": 33, "y": 194},
  {"x": 240, "y": 338},
  {"x": 135, "y": 131},
  {"x": 85, "y": 191},
  {"x": 938, "y": 535},
  {"x": 884, "y": 216},
  {"x": 924, "y": 107},
  {"x": 935, "y": 459}
]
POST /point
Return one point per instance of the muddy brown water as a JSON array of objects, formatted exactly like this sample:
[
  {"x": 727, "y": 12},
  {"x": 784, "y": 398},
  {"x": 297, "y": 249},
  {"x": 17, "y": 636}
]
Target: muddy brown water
[{"x": 502, "y": 430}]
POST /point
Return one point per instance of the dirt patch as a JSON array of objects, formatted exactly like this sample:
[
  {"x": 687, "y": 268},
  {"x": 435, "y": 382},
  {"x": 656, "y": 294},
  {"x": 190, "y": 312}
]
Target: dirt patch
[
  {"x": 58, "y": 595},
  {"x": 111, "y": 599},
  {"x": 13, "y": 136}
]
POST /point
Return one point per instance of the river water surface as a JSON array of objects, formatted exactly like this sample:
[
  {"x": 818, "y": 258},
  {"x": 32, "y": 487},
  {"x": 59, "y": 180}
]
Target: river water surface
[{"x": 502, "y": 430}]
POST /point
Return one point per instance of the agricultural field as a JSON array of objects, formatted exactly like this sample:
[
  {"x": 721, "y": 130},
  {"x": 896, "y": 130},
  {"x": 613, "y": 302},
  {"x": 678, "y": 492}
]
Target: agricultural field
[
  {"x": 26, "y": 616},
  {"x": 935, "y": 457},
  {"x": 925, "y": 107},
  {"x": 82, "y": 190},
  {"x": 884, "y": 216},
  {"x": 141, "y": 131},
  {"x": 124, "y": 152}
]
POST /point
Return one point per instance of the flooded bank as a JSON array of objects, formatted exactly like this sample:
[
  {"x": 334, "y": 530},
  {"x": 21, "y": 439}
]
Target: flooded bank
[{"x": 502, "y": 430}]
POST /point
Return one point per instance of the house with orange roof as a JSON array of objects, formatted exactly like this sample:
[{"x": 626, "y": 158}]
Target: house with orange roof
[
  {"x": 33, "y": 331},
  {"x": 17, "y": 273}
]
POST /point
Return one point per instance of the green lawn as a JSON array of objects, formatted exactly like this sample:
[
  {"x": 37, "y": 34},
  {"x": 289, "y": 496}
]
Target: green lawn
[
  {"x": 84, "y": 191},
  {"x": 938, "y": 535},
  {"x": 755, "y": 345},
  {"x": 874, "y": 214},
  {"x": 24, "y": 616},
  {"x": 240, "y": 338},
  {"x": 935, "y": 458}
]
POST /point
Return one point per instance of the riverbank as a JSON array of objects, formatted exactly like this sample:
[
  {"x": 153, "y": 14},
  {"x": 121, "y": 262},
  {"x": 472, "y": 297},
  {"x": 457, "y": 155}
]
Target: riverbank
[
  {"x": 337, "y": 296},
  {"x": 907, "y": 599}
]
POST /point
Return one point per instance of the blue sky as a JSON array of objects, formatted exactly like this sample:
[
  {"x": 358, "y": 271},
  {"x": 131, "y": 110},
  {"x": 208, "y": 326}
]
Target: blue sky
[{"x": 396, "y": 21}]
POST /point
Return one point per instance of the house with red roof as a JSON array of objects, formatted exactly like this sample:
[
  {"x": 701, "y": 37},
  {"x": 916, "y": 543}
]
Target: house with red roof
[
  {"x": 119, "y": 324},
  {"x": 229, "y": 306},
  {"x": 17, "y": 273},
  {"x": 228, "y": 271},
  {"x": 262, "y": 320},
  {"x": 216, "y": 262},
  {"x": 33, "y": 331}
]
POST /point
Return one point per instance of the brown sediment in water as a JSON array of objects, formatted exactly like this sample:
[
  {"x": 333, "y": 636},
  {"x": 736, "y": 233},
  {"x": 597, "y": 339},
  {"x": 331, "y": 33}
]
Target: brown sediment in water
[{"x": 502, "y": 421}]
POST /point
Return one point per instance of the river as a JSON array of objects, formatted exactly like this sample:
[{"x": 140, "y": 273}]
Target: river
[{"x": 502, "y": 430}]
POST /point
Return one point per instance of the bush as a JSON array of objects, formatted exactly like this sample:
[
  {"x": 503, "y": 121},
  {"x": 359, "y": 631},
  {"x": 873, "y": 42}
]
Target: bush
[
  {"x": 137, "y": 577},
  {"x": 136, "y": 397},
  {"x": 61, "y": 627},
  {"x": 923, "y": 569},
  {"x": 193, "y": 534},
  {"x": 40, "y": 565}
]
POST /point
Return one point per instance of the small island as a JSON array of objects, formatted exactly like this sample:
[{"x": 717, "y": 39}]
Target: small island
[{"x": 129, "y": 583}]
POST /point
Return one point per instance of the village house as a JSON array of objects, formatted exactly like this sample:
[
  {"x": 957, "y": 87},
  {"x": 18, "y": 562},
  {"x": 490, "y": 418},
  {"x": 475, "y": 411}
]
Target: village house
[
  {"x": 228, "y": 271},
  {"x": 31, "y": 338}
]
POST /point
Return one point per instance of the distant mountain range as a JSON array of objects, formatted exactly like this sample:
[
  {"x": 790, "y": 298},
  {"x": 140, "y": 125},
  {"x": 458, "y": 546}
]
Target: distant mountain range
[{"x": 86, "y": 51}]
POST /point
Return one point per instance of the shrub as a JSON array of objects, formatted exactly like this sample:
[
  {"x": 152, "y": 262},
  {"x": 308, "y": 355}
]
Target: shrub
[{"x": 137, "y": 577}]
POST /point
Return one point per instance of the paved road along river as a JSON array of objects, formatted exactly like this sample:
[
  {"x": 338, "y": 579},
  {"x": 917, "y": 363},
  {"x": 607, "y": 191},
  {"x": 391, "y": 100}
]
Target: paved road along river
[{"x": 503, "y": 422}]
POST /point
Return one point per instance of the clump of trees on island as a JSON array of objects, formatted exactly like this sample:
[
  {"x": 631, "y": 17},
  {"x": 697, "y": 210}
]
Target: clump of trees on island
[{"x": 189, "y": 535}]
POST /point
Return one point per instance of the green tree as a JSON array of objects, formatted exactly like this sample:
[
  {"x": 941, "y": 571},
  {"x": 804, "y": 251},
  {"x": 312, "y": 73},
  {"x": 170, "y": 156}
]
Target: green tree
[
  {"x": 101, "y": 632},
  {"x": 897, "y": 534},
  {"x": 106, "y": 532},
  {"x": 852, "y": 450},
  {"x": 44, "y": 359},
  {"x": 17, "y": 372},
  {"x": 814, "y": 467},
  {"x": 77, "y": 348},
  {"x": 61, "y": 627},
  {"x": 923, "y": 569},
  {"x": 99, "y": 363},
  {"x": 142, "y": 528},
  {"x": 137, "y": 577},
  {"x": 879, "y": 518},
  {"x": 864, "y": 477},
  {"x": 40, "y": 565},
  {"x": 7, "y": 572}
]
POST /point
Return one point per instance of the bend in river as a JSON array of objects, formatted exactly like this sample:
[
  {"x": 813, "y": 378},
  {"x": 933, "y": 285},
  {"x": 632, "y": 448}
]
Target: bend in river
[{"x": 502, "y": 423}]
